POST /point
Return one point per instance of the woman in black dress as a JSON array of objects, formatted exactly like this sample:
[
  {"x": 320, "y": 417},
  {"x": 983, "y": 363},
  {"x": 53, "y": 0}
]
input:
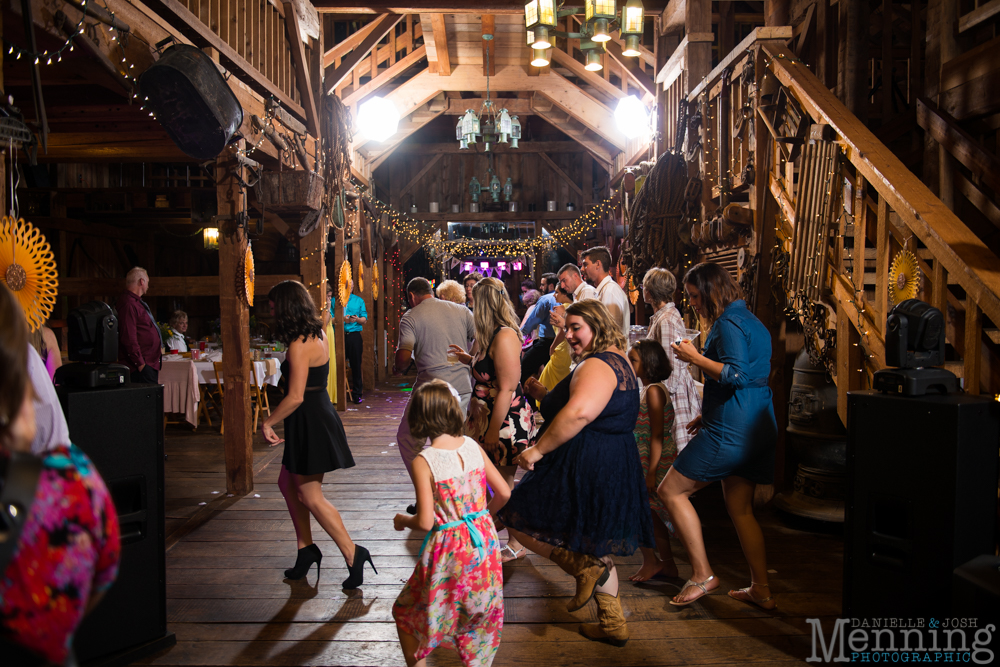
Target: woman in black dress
[{"x": 315, "y": 442}]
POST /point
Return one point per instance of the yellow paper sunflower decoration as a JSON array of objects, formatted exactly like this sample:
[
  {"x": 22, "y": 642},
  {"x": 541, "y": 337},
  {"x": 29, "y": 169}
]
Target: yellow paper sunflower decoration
[
  {"x": 361, "y": 277},
  {"x": 904, "y": 277},
  {"x": 28, "y": 268},
  {"x": 248, "y": 275},
  {"x": 345, "y": 277},
  {"x": 374, "y": 281}
]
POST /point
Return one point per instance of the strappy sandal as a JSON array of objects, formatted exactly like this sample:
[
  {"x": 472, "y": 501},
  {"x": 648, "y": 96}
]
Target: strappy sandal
[
  {"x": 750, "y": 599},
  {"x": 514, "y": 555},
  {"x": 692, "y": 583}
]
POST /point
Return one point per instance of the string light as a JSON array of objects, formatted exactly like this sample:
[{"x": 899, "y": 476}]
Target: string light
[{"x": 47, "y": 55}]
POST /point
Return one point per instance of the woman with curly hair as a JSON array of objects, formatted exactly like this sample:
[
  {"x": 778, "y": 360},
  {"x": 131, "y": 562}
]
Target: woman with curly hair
[
  {"x": 500, "y": 416},
  {"x": 450, "y": 290},
  {"x": 315, "y": 442},
  {"x": 584, "y": 499}
]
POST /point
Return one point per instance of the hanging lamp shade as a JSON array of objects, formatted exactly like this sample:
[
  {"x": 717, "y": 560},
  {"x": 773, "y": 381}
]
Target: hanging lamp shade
[
  {"x": 540, "y": 57},
  {"x": 539, "y": 18},
  {"x": 599, "y": 14},
  {"x": 515, "y": 131},
  {"x": 631, "y": 27},
  {"x": 506, "y": 127},
  {"x": 594, "y": 63}
]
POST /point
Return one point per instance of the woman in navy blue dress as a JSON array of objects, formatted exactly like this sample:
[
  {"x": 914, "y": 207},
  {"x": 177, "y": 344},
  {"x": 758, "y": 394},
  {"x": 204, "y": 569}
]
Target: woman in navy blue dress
[
  {"x": 735, "y": 434},
  {"x": 584, "y": 499}
]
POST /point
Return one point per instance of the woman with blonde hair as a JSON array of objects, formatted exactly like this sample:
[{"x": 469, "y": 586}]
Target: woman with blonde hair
[
  {"x": 500, "y": 416},
  {"x": 450, "y": 290},
  {"x": 666, "y": 327},
  {"x": 584, "y": 497}
]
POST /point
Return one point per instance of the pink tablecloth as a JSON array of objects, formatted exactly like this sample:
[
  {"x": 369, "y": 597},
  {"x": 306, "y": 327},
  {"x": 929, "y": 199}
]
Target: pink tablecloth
[{"x": 180, "y": 389}]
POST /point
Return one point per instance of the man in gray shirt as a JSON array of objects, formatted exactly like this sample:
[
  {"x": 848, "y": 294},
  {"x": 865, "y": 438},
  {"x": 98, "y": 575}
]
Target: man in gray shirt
[{"x": 426, "y": 331}]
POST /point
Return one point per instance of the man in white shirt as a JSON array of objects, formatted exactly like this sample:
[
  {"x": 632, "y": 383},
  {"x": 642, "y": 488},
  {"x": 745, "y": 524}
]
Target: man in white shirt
[
  {"x": 571, "y": 280},
  {"x": 596, "y": 264}
]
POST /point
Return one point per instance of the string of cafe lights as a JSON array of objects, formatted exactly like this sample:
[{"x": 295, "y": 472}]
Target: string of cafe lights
[
  {"x": 45, "y": 57},
  {"x": 422, "y": 233}
]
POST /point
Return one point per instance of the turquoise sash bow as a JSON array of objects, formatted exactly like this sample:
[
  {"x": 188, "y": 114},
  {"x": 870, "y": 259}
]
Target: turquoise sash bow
[{"x": 474, "y": 534}]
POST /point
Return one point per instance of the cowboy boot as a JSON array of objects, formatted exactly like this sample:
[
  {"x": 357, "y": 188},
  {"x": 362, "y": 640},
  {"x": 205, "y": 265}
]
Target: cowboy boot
[
  {"x": 611, "y": 627},
  {"x": 590, "y": 572}
]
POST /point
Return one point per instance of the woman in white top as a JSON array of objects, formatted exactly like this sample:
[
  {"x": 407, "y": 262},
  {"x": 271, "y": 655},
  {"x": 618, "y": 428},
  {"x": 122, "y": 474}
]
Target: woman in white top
[
  {"x": 179, "y": 323},
  {"x": 666, "y": 328}
]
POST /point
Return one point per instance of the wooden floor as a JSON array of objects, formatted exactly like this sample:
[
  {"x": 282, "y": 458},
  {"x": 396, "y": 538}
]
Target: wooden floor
[{"x": 228, "y": 604}]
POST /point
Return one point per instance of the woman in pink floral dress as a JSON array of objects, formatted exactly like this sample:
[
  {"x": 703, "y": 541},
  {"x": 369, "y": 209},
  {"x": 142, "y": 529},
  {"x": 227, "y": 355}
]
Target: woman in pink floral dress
[
  {"x": 501, "y": 418},
  {"x": 454, "y": 597}
]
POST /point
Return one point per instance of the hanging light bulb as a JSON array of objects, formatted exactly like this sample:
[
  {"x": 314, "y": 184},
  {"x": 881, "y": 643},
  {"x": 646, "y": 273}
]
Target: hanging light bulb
[
  {"x": 540, "y": 57},
  {"x": 631, "y": 27},
  {"x": 378, "y": 119},
  {"x": 594, "y": 61},
  {"x": 632, "y": 117}
]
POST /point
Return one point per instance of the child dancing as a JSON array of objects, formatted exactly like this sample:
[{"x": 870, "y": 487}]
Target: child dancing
[
  {"x": 454, "y": 597},
  {"x": 657, "y": 451}
]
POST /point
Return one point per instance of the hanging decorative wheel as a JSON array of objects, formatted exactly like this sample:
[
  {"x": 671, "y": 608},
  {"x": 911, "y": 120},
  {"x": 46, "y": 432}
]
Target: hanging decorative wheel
[
  {"x": 28, "y": 269},
  {"x": 361, "y": 277},
  {"x": 345, "y": 277},
  {"x": 904, "y": 277},
  {"x": 633, "y": 291},
  {"x": 248, "y": 276},
  {"x": 374, "y": 281}
]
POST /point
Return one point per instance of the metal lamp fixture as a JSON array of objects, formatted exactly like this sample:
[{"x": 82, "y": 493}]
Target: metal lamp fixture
[
  {"x": 631, "y": 27},
  {"x": 599, "y": 14},
  {"x": 210, "y": 235},
  {"x": 540, "y": 57},
  {"x": 539, "y": 18},
  {"x": 594, "y": 63},
  {"x": 491, "y": 125}
]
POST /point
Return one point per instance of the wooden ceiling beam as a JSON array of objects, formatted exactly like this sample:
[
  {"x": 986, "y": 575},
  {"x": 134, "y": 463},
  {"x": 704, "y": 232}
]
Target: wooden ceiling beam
[
  {"x": 513, "y": 105},
  {"x": 442, "y": 59},
  {"x": 406, "y": 127},
  {"x": 444, "y": 6},
  {"x": 351, "y": 60},
  {"x": 302, "y": 78},
  {"x": 564, "y": 123},
  {"x": 591, "y": 113},
  {"x": 577, "y": 69},
  {"x": 400, "y": 66},
  {"x": 632, "y": 68},
  {"x": 352, "y": 41},
  {"x": 489, "y": 45},
  {"x": 524, "y": 147}
]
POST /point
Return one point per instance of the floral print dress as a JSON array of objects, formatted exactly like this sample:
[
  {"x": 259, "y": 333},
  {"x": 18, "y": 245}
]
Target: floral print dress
[
  {"x": 454, "y": 597},
  {"x": 518, "y": 427},
  {"x": 643, "y": 438}
]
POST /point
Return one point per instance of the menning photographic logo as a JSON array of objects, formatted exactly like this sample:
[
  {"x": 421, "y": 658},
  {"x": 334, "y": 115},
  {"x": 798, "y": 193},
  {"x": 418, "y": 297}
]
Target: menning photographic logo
[{"x": 881, "y": 640}]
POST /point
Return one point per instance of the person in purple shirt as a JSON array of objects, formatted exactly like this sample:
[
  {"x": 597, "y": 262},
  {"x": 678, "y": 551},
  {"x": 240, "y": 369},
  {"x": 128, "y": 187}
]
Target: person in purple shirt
[{"x": 139, "y": 340}]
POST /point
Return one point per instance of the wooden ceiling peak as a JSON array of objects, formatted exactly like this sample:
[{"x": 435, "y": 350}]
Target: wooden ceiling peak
[{"x": 489, "y": 45}]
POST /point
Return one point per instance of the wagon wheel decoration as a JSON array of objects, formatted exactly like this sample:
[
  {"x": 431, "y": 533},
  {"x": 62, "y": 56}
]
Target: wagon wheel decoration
[
  {"x": 28, "y": 268},
  {"x": 904, "y": 277},
  {"x": 247, "y": 285},
  {"x": 345, "y": 277},
  {"x": 361, "y": 277},
  {"x": 374, "y": 281}
]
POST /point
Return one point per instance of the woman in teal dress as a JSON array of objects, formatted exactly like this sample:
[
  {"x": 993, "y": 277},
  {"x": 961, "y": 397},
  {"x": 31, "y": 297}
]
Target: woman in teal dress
[{"x": 735, "y": 434}]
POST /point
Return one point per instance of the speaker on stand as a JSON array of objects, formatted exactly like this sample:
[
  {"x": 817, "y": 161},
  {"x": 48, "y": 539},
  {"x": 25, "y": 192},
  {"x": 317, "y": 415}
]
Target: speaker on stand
[
  {"x": 121, "y": 430},
  {"x": 921, "y": 499}
]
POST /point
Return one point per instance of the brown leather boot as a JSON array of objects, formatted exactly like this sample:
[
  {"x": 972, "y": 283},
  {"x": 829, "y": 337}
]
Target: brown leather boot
[
  {"x": 611, "y": 627},
  {"x": 590, "y": 572}
]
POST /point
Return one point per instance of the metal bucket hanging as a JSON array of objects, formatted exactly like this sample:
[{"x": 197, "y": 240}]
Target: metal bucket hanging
[{"x": 192, "y": 101}]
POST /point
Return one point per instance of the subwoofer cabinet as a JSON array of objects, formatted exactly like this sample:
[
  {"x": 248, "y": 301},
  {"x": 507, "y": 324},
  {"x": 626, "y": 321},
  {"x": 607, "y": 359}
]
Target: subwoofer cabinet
[
  {"x": 121, "y": 430},
  {"x": 921, "y": 499}
]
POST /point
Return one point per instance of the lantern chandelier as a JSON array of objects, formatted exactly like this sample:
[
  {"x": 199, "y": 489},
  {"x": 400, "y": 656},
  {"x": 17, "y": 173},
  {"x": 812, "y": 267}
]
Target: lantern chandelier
[
  {"x": 541, "y": 18},
  {"x": 490, "y": 125}
]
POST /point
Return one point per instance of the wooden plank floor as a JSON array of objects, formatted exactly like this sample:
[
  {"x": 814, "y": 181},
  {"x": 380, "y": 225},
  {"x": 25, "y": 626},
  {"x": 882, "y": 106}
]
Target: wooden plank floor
[{"x": 229, "y": 605}]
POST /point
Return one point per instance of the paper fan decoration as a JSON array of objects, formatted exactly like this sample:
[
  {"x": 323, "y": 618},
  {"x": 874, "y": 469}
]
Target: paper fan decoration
[
  {"x": 361, "y": 277},
  {"x": 28, "y": 268},
  {"x": 247, "y": 284},
  {"x": 633, "y": 291},
  {"x": 374, "y": 281},
  {"x": 904, "y": 277},
  {"x": 345, "y": 277}
]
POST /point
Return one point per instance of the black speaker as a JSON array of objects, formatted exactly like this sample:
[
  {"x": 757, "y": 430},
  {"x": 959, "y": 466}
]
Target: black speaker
[
  {"x": 93, "y": 333},
  {"x": 121, "y": 430},
  {"x": 921, "y": 499}
]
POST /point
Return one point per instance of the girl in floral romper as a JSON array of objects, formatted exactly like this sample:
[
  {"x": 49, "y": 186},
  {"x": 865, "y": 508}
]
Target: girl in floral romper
[{"x": 454, "y": 597}]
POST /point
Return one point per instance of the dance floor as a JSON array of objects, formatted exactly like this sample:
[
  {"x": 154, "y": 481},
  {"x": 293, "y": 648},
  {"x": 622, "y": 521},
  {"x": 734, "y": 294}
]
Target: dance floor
[{"x": 228, "y": 604}]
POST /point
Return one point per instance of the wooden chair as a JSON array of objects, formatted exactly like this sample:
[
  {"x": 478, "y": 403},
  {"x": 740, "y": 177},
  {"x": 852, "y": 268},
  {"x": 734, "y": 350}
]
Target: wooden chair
[
  {"x": 258, "y": 396},
  {"x": 220, "y": 389}
]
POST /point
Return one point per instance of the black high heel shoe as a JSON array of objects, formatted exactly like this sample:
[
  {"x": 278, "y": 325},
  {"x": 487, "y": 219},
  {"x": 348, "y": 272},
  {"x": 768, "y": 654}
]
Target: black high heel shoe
[
  {"x": 357, "y": 570},
  {"x": 304, "y": 560}
]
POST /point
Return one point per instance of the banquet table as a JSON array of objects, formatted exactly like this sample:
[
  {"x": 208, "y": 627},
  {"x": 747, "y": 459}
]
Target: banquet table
[{"x": 180, "y": 378}]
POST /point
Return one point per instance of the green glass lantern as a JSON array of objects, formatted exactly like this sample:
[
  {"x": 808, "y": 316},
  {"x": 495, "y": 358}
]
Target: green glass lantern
[
  {"x": 631, "y": 27},
  {"x": 539, "y": 18},
  {"x": 495, "y": 188},
  {"x": 475, "y": 189},
  {"x": 599, "y": 14},
  {"x": 508, "y": 189}
]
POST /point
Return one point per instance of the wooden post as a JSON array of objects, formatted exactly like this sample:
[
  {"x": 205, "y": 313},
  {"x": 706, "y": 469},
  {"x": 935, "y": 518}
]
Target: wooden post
[
  {"x": 237, "y": 417},
  {"x": 854, "y": 40},
  {"x": 727, "y": 27},
  {"x": 849, "y": 368},
  {"x": 381, "y": 354},
  {"x": 882, "y": 263},
  {"x": 932, "y": 85},
  {"x": 312, "y": 264},
  {"x": 776, "y": 12},
  {"x": 698, "y": 19},
  {"x": 368, "y": 331},
  {"x": 949, "y": 49},
  {"x": 338, "y": 321},
  {"x": 826, "y": 49},
  {"x": 973, "y": 357}
]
